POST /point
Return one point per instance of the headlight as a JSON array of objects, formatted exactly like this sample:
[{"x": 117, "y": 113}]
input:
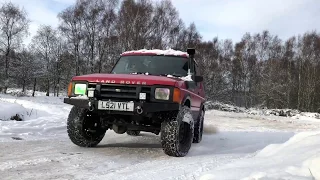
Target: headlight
[
  {"x": 162, "y": 93},
  {"x": 80, "y": 89}
]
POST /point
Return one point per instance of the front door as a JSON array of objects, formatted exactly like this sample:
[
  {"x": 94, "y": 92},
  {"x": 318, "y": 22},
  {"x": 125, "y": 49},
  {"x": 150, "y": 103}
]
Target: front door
[{"x": 196, "y": 93}]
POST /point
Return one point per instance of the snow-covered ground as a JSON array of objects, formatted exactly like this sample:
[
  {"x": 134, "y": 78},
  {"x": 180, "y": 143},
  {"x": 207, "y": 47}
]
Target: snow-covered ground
[
  {"x": 44, "y": 117},
  {"x": 235, "y": 146}
]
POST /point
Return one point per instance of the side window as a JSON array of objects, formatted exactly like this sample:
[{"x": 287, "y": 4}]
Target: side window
[
  {"x": 194, "y": 70},
  {"x": 197, "y": 69}
]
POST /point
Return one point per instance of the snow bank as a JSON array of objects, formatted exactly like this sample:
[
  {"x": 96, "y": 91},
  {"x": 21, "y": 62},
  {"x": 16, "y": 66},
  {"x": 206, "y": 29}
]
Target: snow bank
[
  {"x": 297, "y": 158},
  {"x": 168, "y": 52},
  {"x": 17, "y": 92},
  {"x": 43, "y": 117},
  {"x": 209, "y": 105},
  {"x": 295, "y": 114},
  {"x": 10, "y": 110},
  {"x": 276, "y": 112}
]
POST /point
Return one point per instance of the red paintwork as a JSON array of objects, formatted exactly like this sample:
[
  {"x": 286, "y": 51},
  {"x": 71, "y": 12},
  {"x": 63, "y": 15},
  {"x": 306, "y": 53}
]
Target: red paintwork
[
  {"x": 138, "y": 79},
  {"x": 196, "y": 95},
  {"x": 128, "y": 79}
]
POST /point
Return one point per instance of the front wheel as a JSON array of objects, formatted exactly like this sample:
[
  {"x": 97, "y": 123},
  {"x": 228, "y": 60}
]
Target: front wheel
[
  {"x": 177, "y": 133},
  {"x": 84, "y": 127}
]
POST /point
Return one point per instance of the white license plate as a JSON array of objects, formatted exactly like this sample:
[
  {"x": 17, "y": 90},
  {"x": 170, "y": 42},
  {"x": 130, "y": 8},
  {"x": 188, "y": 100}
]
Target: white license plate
[{"x": 116, "y": 106}]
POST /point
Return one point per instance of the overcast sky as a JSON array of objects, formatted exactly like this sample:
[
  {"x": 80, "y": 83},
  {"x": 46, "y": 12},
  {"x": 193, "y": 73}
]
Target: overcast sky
[{"x": 222, "y": 18}]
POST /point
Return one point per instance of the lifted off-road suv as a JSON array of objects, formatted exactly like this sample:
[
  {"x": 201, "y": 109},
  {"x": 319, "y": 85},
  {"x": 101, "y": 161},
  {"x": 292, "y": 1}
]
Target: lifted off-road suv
[{"x": 157, "y": 91}]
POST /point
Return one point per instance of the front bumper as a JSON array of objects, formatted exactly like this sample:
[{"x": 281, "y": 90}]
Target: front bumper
[{"x": 147, "y": 107}]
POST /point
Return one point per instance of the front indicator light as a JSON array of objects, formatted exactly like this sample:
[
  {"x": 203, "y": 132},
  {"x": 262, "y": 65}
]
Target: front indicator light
[
  {"x": 80, "y": 89},
  {"x": 70, "y": 89},
  {"x": 177, "y": 95},
  {"x": 162, "y": 93}
]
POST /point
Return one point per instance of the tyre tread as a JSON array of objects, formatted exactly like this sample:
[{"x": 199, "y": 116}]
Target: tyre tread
[
  {"x": 170, "y": 134},
  {"x": 74, "y": 129}
]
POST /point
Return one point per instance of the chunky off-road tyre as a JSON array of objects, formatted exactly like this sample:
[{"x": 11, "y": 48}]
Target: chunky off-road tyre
[
  {"x": 198, "y": 128},
  {"x": 133, "y": 133},
  {"x": 177, "y": 133},
  {"x": 84, "y": 128}
]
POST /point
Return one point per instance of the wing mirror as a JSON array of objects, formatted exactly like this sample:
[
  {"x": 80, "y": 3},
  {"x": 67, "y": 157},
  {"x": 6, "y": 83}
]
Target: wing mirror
[{"x": 198, "y": 79}]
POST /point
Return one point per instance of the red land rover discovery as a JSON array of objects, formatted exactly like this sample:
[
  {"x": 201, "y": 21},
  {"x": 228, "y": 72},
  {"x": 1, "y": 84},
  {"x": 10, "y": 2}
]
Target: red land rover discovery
[{"x": 157, "y": 91}]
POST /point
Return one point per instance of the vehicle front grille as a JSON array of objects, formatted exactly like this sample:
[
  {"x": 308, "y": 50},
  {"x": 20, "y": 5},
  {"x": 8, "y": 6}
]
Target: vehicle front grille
[{"x": 120, "y": 92}]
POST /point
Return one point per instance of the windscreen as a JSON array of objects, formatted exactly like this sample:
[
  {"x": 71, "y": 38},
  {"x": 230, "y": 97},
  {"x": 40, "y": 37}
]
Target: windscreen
[{"x": 154, "y": 65}]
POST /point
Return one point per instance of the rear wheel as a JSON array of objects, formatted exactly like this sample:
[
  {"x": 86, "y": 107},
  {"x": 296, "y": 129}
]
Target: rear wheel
[
  {"x": 198, "y": 128},
  {"x": 84, "y": 127},
  {"x": 177, "y": 133},
  {"x": 133, "y": 133}
]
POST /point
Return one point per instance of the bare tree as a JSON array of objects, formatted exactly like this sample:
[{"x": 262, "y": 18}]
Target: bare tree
[
  {"x": 259, "y": 70},
  {"x": 14, "y": 26},
  {"x": 22, "y": 70},
  {"x": 108, "y": 43},
  {"x": 307, "y": 61},
  {"x": 288, "y": 60},
  {"x": 44, "y": 44},
  {"x": 71, "y": 27},
  {"x": 165, "y": 24},
  {"x": 133, "y": 24},
  {"x": 189, "y": 37}
]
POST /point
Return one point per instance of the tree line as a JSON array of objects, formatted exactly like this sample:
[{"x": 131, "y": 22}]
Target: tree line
[{"x": 259, "y": 70}]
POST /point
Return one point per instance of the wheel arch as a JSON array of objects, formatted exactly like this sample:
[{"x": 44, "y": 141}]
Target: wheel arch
[{"x": 186, "y": 101}]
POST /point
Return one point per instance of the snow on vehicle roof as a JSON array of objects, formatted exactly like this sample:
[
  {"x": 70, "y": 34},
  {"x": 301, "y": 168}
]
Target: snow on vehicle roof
[{"x": 168, "y": 52}]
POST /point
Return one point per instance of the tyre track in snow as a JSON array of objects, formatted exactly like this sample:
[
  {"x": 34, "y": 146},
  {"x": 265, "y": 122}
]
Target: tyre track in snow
[
  {"x": 47, "y": 153},
  {"x": 123, "y": 157},
  {"x": 215, "y": 150}
]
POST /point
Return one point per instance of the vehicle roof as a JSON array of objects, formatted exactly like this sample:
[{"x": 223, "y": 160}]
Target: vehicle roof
[{"x": 168, "y": 52}]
